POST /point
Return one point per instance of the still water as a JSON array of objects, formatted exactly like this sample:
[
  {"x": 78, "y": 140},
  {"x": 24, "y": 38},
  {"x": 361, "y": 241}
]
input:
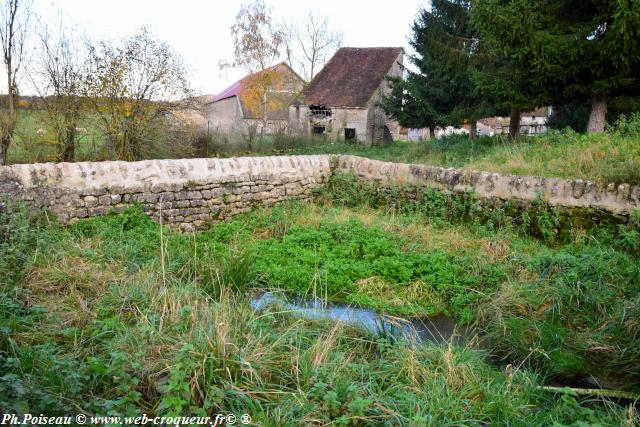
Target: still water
[{"x": 437, "y": 329}]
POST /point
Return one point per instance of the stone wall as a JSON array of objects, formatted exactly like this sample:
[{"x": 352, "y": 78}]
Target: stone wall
[
  {"x": 189, "y": 193},
  {"x": 225, "y": 116},
  {"x": 619, "y": 199},
  {"x": 192, "y": 193}
]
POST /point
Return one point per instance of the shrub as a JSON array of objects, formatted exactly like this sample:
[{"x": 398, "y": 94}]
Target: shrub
[{"x": 627, "y": 126}]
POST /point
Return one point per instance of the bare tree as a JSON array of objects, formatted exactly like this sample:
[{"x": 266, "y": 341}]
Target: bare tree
[
  {"x": 257, "y": 42},
  {"x": 60, "y": 78},
  {"x": 14, "y": 20},
  {"x": 310, "y": 43},
  {"x": 134, "y": 87}
]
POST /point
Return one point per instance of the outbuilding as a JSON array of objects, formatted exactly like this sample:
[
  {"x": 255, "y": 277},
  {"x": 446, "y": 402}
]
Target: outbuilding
[
  {"x": 240, "y": 108},
  {"x": 342, "y": 101}
]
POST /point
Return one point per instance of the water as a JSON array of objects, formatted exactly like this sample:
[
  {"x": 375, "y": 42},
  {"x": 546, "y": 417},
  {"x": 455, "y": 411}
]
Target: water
[{"x": 437, "y": 329}]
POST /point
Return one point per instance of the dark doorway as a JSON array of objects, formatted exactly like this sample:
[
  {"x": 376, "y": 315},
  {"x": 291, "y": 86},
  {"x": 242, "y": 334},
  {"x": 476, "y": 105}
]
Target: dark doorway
[
  {"x": 349, "y": 134},
  {"x": 388, "y": 137}
]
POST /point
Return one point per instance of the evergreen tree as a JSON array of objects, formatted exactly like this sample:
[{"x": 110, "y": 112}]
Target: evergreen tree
[
  {"x": 404, "y": 104},
  {"x": 575, "y": 49},
  {"x": 441, "y": 91},
  {"x": 509, "y": 85}
]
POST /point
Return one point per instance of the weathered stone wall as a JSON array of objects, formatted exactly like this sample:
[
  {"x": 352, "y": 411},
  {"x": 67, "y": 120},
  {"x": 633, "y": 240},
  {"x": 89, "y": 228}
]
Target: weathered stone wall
[
  {"x": 301, "y": 122},
  {"x": 619, "y": 199},
  {"x": 189, "y": 193},
  {"x": 225, "y": 116}
]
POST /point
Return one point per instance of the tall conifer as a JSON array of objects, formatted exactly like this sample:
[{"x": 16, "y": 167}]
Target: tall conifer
[
  {"x": 574, "y": 49},
  {"x": 441, "y": 89}
]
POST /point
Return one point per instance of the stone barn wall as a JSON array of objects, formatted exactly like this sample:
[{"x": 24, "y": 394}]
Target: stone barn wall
[
  {"x": 619, "y": 199},
  {"x": 188, "y": 193},
  {"x": 225, "y": 116},
  {"x": 193, "y": 193},
  {"x": 301, "y": 122}
]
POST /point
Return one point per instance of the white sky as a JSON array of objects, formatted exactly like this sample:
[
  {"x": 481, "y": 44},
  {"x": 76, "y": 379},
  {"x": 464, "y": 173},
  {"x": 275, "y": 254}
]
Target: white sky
[{"x": 199, "y": 29}]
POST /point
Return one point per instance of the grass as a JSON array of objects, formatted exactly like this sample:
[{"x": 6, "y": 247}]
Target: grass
[
  {"x": 108, "y": 317},
  {"x": 114, "y": 315},
  {"x": 607, "y": 157},
  {"x": 611, "y": 157},
  {"x": 35, "y": 142}
]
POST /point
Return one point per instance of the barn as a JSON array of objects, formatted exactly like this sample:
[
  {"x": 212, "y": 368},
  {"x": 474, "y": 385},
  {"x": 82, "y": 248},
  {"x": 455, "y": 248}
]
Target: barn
[
  {"x": 341, "y": 102},
  {"x": 239, "y": 108}
]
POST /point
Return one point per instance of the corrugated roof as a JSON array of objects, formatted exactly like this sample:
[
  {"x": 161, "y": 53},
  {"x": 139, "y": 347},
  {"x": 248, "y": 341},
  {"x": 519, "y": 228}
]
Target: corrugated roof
[
  {"x": 282, "y": 99},
  {"x": 351, "y": 77},
  {"x": 233, "y": 90},
  {"x": 236, "y": 88}
]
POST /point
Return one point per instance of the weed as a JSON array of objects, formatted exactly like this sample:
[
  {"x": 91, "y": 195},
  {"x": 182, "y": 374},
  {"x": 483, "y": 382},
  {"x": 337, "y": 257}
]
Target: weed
[{"x": 18, "y": 241}]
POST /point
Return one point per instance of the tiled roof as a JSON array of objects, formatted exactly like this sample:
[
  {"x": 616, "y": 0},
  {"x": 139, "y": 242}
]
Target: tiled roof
[{"x": 351, "y": 77}]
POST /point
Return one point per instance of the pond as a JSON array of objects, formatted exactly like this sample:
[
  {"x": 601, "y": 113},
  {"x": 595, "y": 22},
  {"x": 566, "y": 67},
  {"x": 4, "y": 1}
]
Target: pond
[{"x": 436, "y": 329}]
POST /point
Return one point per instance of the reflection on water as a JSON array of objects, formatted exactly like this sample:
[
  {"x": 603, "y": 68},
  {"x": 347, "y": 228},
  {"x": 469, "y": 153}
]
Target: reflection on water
[{"x": 436, "y": 329}]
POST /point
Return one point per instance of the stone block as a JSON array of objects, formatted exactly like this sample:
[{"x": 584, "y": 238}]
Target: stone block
[{"x": 90, "y": 201}]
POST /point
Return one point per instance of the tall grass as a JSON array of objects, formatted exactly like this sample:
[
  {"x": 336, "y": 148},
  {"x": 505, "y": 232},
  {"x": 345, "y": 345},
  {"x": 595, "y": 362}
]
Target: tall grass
[
  {"x": 18, "y": 240},
  {"x": 93, "y": 335},
  {"x": 611, "y": 157},
  {"x": 99, "y": 327}
]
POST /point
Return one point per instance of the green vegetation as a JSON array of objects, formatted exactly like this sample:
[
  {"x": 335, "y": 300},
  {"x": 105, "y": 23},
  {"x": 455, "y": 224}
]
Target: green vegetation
[
  {"x": 612, "y": 156},
  {"x": 571, "y": 51},
  {"x": 35, "y": 141},
  {"x": 474, "y": 58},
  {"x": 565, "y": 154},
  {"x": 111, "y": 316}
]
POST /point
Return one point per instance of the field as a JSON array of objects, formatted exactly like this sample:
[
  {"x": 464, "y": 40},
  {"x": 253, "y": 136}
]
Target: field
[
  {"x": 613, "y": 156},
  {"x": 560, "y": 154},
  {"x": 35, "y": 141},
  {"x": 116, "y": 315}
]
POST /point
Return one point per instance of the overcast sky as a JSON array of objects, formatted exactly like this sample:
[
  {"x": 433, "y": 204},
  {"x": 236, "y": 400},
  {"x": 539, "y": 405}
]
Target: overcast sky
[{"x": 199, "y": 29}]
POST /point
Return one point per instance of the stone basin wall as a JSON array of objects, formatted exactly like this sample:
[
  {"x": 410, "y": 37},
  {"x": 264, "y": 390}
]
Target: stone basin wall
[
  {"x": 193, "y": 193},
  {"x": 188, "y": 193},
  {"x": 619, "y": 199}
]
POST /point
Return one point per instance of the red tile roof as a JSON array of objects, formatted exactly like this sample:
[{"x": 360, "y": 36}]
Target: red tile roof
[{"x": 351, "y": 77}]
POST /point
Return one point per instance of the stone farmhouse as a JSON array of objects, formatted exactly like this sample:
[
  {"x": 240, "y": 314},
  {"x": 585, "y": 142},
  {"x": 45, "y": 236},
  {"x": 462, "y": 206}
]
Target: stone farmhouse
[
  {"x": 531, "y": 123},
  {"x": 341, "y": 102},
  {"x": 239, "y": 108}
]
